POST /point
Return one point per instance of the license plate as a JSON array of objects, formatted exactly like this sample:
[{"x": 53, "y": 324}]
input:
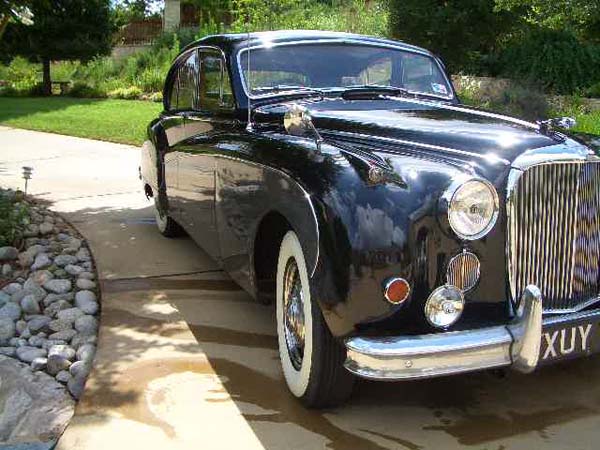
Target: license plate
[{"x": 569, "y": 340}]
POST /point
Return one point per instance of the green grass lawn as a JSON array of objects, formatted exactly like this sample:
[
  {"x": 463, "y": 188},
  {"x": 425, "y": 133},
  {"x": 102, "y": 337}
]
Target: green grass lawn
[{"x": 122, "y": 121}]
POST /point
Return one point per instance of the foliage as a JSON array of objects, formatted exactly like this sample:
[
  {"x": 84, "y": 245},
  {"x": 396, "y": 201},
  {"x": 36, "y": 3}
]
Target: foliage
[
  {"x": 83, "y": 90},
  {"x": 130, "y": 93},
  {"x": 125, "y": 11},
  {"x": 123, "y": 121},
  {"x": 17, "y": 11},
  {"x": 63, "y": 30},
  {"x": 580, "y": 17},
  {"x": 12, "y": 218},
  {"x": 554, "y": 60},
  {"x": 593, "y": 90},
  {"x": 525, "y": 102},
  {"x": 357, "y": 16},
  {"x": 460, "y": 31}
]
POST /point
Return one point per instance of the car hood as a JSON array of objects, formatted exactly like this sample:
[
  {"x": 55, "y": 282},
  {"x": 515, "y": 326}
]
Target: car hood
[{"x": 458, "y": 131}]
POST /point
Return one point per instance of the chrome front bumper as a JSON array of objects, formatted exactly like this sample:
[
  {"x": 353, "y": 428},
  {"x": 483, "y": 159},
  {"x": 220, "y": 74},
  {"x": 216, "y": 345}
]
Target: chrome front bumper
[{"x": 411, "y": 357}]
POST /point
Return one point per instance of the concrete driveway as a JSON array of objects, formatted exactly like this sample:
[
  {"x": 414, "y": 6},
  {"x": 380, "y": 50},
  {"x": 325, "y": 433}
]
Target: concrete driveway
[{"x": 186, "y": 360}]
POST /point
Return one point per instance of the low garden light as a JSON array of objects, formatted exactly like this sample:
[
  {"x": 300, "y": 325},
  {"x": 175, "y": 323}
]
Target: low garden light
[{"x": 27, "y": 173}]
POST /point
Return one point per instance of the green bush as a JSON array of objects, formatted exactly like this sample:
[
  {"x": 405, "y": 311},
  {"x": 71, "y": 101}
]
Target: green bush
[
  {"x": 13, "y": 215},
  {"x": 553, "y": 60},
  {"x": 83, "y": 90},
  {"x": 593, "y": 91},
  {"x": 130, "y": 93}
]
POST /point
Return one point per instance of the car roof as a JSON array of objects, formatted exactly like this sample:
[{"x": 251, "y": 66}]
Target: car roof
[{"x": 234, "y": 41}]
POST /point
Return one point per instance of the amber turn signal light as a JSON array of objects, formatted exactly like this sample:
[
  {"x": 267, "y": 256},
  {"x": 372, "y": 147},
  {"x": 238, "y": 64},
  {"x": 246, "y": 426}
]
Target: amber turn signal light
[{"x": 396, "y": 290}]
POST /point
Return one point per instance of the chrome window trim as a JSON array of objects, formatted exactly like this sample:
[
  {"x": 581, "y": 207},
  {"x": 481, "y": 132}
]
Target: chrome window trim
[{"x": 337, "y": 41}]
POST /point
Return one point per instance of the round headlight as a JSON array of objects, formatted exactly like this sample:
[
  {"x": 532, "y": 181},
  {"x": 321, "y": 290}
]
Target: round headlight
[{"x": 473, "y": 209}]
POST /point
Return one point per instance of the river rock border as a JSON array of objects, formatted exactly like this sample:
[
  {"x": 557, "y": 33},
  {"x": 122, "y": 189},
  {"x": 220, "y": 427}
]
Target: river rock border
[{"x": 49, "y": 300}]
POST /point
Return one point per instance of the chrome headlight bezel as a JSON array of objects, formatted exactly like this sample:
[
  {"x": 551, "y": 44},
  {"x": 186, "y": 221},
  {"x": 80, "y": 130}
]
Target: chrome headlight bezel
[{"x": 450, "y": 197}]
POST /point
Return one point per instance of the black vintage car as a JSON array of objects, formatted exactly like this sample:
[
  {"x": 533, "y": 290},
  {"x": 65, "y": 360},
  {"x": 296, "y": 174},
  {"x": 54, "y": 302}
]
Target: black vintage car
[{"x": 400, "y": 234}]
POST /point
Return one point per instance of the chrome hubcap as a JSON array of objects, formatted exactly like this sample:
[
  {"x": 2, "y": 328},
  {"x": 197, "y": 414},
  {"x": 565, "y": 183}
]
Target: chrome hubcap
[{"x": 293, "y": 313}]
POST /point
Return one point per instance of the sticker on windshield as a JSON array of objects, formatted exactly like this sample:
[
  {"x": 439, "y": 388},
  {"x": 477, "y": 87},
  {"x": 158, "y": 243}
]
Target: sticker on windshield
[{"x": 439, "y": 88}]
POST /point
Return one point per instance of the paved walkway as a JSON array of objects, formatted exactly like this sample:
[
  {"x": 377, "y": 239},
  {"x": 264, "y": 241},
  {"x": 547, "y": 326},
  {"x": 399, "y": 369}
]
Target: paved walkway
[{"x": 187, "y": 361}]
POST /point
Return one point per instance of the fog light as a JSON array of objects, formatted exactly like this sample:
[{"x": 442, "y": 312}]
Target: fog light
[
  {"x": 444, "y": 306},
  {"x": 463, "y": 271},
  {"x": 396, "y": 290}
]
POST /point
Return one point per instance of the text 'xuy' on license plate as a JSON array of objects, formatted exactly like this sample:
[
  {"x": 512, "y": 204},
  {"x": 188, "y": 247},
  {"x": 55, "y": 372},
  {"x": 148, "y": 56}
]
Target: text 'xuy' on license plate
[{"x": 569, "y": 341}]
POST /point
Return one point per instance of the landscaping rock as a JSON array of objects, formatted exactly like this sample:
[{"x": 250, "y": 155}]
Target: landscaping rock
[
  {"x": 86, "y": 352},
  {"x": 63, "y": 260},
  {"x": 41, "y": 262},
  {"x": 35, "y": 406},
  {"x": 7, "y": 329},
  {"x": 8, "y": 351},
  {"x": 39, "y": 364},
  {"x": 86, "y": 325},
  {"x": 58, "y": 286},
  {"x": 39, "y": 323},
  {"x": 76, "y": 386},
  {"x": 11, "y": 311},
  {"x": 63, "y": 376},
  {"x": 36, "y": 341},
  {"x": 41, "y": 276},
  {"x": 8, "y": 253},
  {"x": 52, "y": 310},
  {"x": 85, "y": 284},
  {"x": 80, "y": 340},
  {"x": 74, "y": 270},
  {"x": 87, "y": 275},
  {"x": 69, "y": 315},
  {"x": 64, "y": 335},
  {"x": 46, "y": 228},
  {"x": 64, "y": 351},
  {"x": 6, "y": 270},
  {"x": 83, "y": 255},
  {"x": 17, "y": 342},
  {"x": 11, "y": 288},
  {"x": 57, "y": 363},
  {"x": 30, "y": 305},
  {"x": 28, "y": 354},
  {"x": 20, "y": 326},
  {"x": 4, "y": 298}
]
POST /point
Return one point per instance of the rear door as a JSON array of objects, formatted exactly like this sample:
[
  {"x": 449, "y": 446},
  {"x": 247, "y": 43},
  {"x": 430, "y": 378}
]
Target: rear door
[
  {"x": 182, "y": 102},
  {"x": 204, "y": 127}
]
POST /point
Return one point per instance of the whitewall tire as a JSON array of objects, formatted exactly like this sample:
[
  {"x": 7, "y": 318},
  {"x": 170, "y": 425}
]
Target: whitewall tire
[
  {"x": 165, "y": 224},
  {"x": 311, "y": 359}
]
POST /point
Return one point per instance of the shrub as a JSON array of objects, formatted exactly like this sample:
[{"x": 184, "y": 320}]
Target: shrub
[
  {"x": 553, "y": 60},
  {"x": 83, "y": 90},
  {"x": 130, "y": 93},
  {"x": 12, "y": 218},
  {"x": 593, "y": 91}
]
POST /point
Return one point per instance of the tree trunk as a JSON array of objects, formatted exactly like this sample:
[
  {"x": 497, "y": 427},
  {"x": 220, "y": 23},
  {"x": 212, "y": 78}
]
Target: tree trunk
[
  {"x": 3, "y": 22},
  {"x": 46, "y": 81}
]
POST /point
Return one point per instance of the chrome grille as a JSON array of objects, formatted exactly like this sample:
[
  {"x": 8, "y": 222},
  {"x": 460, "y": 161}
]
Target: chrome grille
[
  {"x": 554, "y": 233},
  {"x": 463, "y": 271}
]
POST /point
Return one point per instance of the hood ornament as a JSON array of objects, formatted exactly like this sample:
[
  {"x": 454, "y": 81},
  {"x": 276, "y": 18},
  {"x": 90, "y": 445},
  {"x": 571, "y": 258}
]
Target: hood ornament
[{"x": 297, "y": 121}]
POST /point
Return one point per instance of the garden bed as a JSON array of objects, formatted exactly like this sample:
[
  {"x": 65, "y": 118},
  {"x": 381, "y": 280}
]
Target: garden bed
[{"x": 48, "y": 320}]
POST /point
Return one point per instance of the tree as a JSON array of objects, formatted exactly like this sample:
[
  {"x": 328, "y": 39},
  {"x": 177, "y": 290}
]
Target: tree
[
  {"x": 126, "y": 11},
  {"x": 63, "y": 30},
  {"x": 10, "y": 10},
  {"x": 580, "y": 17},
  {"x": 458, "y": 30}
]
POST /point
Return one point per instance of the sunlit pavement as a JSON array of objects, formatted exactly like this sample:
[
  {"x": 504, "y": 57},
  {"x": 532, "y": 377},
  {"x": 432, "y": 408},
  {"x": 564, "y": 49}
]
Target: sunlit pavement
[{"x": 187, "y": 360}]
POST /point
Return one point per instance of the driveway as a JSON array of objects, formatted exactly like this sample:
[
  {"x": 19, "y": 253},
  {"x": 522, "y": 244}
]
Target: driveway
[{"x": 186, "y": 360}]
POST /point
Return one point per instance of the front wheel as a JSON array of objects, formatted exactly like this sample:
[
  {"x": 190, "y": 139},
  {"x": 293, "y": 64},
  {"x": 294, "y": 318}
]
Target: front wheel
[
  {"x": 311, "y": 359},
  {"x": 165, "y": 224}
]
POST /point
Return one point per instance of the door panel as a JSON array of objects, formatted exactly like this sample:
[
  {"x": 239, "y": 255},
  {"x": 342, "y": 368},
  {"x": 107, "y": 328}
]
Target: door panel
[{"x": 197, "y": 184}]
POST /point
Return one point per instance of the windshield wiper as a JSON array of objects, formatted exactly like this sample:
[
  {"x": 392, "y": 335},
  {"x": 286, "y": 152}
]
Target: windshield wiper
[
  {"x": 373, "y": 90},
  {"x": 287, "y": 88}
]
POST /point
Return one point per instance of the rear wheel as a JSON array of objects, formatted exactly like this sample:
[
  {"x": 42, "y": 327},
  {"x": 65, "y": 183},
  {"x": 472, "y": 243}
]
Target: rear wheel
[
  {"x": 165, "y": 224},
  {"x": 311, "y": 359}
]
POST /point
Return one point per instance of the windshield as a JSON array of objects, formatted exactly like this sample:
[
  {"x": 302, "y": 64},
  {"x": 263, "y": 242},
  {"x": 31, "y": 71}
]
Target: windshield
[{"x": 340, "y": 66}]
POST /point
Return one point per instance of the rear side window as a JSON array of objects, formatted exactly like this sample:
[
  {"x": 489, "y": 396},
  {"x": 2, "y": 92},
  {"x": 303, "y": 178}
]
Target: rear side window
[
  {"x": 215, "y": 86},
  {"x": 184, "y": 93},
  {"x": 201, "y": 83}
]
